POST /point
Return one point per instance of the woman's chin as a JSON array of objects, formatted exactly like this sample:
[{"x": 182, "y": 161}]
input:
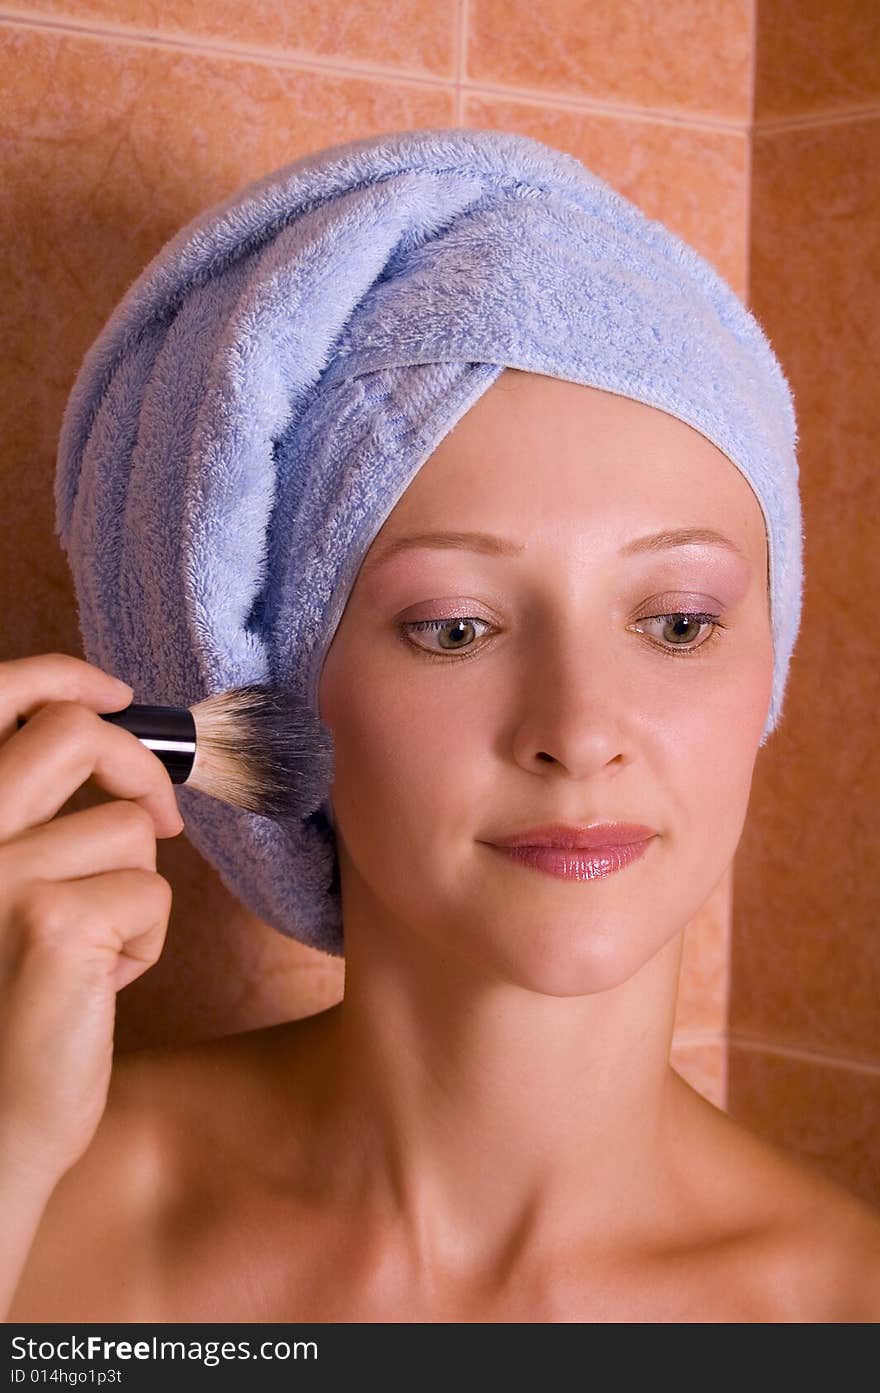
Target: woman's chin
[{"x": 578, "y": 960}]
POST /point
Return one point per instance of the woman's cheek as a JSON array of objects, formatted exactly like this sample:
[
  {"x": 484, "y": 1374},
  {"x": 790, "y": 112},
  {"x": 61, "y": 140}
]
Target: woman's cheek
[{"x": 741, "y": 702}]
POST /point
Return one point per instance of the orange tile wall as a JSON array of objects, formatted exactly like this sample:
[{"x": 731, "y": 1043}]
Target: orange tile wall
[{"x": 751, "y": 128}]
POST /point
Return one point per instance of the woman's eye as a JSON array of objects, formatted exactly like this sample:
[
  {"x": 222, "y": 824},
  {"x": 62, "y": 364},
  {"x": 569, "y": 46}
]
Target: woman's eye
[
  {"x": 460, "y": 633},
  {"x": 680, "y": 634}
]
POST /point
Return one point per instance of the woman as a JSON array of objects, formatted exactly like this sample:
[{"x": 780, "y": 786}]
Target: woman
[{"x": 487, "y": 1127}]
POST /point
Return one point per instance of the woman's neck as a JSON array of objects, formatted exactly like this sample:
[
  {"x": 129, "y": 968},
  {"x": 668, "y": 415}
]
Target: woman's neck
[{"x": 475, "y": 1120}]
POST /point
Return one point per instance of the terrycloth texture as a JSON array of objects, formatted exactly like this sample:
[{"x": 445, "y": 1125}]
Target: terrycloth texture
[{"x": 270, "y": 384}]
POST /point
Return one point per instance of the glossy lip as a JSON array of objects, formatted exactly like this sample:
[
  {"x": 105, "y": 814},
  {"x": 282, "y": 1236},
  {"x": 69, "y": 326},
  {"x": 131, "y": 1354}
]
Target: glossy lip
[
  {"x": 575, "y": 863},
  {"x": 597, "y": 837}
]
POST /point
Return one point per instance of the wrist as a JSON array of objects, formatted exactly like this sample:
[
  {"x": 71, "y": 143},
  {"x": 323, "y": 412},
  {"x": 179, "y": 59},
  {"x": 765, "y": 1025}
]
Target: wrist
[{"x": 25, "y": 1178}]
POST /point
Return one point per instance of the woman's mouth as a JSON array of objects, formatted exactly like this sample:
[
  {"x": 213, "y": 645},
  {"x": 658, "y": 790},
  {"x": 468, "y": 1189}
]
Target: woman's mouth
[{"x": 574, "y": 863}]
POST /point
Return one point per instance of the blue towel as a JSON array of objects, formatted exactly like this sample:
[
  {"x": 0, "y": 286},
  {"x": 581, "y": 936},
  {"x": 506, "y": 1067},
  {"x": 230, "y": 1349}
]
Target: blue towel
[{"x": 269, "y": 385}]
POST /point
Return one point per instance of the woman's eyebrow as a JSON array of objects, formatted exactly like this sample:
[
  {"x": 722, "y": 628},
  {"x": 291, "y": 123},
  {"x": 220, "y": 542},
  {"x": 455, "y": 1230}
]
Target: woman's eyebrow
[
  {"x": 682, "y": 537},
  {"x": 463, "y": 541},
  {"x": 501, "y": 546}
]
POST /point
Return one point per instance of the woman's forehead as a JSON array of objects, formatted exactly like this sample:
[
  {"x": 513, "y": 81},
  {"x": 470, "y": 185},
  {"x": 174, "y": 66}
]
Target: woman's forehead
[{"x": 543, "y": 455}]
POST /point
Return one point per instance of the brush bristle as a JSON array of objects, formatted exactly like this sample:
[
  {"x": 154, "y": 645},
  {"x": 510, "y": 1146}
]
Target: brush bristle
[{"x": 257, "y": 749}]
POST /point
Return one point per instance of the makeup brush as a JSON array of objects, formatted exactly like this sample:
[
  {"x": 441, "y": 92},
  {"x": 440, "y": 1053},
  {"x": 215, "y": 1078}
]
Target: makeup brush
[{"x": 250, "y": 746}]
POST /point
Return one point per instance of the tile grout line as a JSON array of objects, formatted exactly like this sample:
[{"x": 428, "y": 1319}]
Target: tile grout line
[
  {"x": 10, "y": 18},
  {"x": 846, "y": 116},
  {"x": 753, "y": 61},
  {"x": 304, "y": 62},
  {"x": 750, "y": 149},
  {"x": 756, "y": 1045},
  {"x": 463, "y": 18}
]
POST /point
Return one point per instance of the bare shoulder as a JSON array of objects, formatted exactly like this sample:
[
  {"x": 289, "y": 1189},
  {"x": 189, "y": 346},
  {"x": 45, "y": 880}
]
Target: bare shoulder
[
  {"x": 84, "y": 1244},
  {"x": 830, "y": 1253},
  {"x": 812, "y": 1245},
  {"x": 97, "y": 1252}
]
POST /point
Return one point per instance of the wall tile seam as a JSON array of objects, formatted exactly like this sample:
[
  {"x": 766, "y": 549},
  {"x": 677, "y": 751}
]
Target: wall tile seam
[
  {"x": 458, "y": 81},
  {"x": 218, "y": 48},
  {"x": 691, "y": 1036},
  {"x": 839, "y": 116},
  {"x": 462, "y": 22},
  {"x": 352, "y": 68},
  {"x": 753, "y": 1044},
  {"x": 753, "y": 60}
]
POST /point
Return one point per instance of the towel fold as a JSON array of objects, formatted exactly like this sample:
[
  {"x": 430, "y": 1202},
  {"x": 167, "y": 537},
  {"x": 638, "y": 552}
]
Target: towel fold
[{"x": 272, "y": 381}]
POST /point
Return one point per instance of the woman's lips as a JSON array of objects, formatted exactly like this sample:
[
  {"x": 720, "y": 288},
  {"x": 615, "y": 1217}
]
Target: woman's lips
[{"x": 575, "y": 863}]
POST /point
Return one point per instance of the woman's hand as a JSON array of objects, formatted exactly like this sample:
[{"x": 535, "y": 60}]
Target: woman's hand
[{"x": 83, "y": 911}]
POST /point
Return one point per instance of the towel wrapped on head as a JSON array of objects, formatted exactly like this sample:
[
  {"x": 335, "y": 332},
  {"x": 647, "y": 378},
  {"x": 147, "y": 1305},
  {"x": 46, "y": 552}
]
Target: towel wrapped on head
[{"x": 270, "y": 384}]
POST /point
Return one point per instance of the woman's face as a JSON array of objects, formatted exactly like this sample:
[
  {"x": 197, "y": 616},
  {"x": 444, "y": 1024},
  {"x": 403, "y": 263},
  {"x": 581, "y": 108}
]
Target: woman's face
[{"x": 542, "y": 687}]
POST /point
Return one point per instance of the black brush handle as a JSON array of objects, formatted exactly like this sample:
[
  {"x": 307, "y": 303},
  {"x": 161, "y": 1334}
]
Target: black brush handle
[{"x": 169, "y": 731}]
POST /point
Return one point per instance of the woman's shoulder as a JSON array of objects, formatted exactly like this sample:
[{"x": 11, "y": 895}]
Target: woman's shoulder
[
  {"x": 812, "y": 1245},
  {"x": 99, "y": 1247},
  {"x": 827, "y": 1265},
  {"x": 829, "y": 1255},
  {"x": 90, "y": 1236}
]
